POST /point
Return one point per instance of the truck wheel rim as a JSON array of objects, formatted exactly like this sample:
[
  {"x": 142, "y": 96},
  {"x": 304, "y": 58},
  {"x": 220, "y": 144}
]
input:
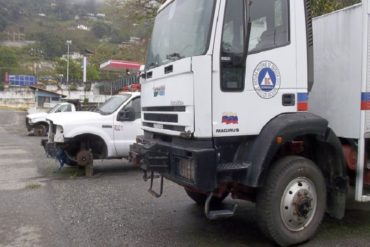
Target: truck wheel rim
[
  {"x": 298, "y": 204},
  {"x": 84, "y": 158}
]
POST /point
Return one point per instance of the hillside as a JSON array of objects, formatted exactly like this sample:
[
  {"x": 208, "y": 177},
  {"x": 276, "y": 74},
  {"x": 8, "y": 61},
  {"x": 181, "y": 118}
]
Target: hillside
[{"x": 46, "y": 25}]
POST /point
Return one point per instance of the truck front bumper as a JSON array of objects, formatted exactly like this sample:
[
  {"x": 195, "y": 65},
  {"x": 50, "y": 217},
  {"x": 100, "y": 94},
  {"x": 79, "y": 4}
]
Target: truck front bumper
[{"x": 183, "y": 163}]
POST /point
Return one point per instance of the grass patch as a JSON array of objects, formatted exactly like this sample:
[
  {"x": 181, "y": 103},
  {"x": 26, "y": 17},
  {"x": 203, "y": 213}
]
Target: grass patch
[
  {"x": 3, "y": 107},
  {"x": 68, "y": 172},
  {"x": 33, "y": 186}
]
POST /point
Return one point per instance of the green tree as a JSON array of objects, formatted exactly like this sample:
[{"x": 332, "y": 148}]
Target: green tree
[
  {"x": 101, "y": 29},
  {"x": 8, "y": 58},
  {"x": 92, "y": 73},
  {"x": 132, "y": 18},
  {"x": 52, "y": 45},
  {"x": 3, "y": 24},
  {"x": 320, "y": 7},
  {"x": 8, "y": 61},
  {"x": 75, "y": 71},
  {"x": 117, "y": 36}
]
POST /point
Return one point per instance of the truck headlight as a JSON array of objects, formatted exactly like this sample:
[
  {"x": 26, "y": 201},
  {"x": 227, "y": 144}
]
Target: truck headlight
[{"x": 186, "y": 168}]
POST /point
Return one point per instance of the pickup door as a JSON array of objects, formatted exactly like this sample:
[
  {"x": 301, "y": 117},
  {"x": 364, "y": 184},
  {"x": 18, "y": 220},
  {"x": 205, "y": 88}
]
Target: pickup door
[{"x": 127, "y": 125}]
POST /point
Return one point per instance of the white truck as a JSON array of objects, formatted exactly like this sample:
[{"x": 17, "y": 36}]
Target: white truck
[
  {"x": 76, "y": 138},
  {"x": 36, "y": 122},
  {"x": 225, "y": 99}
]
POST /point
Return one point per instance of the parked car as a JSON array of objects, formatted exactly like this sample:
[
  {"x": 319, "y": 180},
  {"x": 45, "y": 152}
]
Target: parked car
[{"x": 36, "y": 123}]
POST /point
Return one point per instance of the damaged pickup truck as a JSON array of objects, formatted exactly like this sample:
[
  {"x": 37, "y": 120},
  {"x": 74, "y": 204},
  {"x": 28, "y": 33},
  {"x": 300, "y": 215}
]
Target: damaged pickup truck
[
  {"x": 77, "y": 138},
  {"x": 36, "y": 122}
]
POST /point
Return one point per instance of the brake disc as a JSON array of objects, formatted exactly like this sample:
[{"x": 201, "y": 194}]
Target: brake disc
[{"x": 84, "y": 157}]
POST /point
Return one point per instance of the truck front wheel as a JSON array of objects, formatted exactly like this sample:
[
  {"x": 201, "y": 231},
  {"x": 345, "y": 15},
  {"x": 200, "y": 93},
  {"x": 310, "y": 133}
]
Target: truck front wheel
[{"x": 291, "y": 204}]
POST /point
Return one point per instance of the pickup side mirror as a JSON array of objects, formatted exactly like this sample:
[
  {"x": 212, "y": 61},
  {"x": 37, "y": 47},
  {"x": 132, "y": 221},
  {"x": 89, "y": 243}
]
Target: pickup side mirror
[{"x": 127, "y": 114}]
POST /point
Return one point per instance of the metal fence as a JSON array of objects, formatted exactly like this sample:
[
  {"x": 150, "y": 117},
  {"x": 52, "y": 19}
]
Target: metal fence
[{"x": 114, "y": 87}]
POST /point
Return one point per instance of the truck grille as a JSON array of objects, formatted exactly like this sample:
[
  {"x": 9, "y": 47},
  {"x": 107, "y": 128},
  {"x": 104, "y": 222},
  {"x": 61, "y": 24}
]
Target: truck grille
[
  {"x": 177, "y": 118},
  {"x": 170, "y": 118},
  {"x": 167, "y": 127},
  {"x": 165, "y": 108}
]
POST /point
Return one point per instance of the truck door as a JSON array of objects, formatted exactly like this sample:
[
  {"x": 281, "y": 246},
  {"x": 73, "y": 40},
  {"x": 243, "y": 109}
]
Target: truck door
[
  {"x": 127, "y": 126},
  {"x": 247, "y": 93}
]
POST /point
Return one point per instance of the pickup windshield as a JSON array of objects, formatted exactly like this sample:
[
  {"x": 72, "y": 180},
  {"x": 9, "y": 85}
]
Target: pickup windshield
[
  {"x": 112, "y": 104},
  {"x": 182, "y": 29},
  {"x": 54, "y": 108}
]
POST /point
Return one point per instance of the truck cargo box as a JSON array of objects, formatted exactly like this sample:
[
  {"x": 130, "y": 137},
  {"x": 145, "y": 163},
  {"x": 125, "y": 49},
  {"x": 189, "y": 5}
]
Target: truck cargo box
[{"x": 341, "y": 91}]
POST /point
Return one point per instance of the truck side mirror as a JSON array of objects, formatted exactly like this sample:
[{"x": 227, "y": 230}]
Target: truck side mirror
[{"x": 127, "y": 114}]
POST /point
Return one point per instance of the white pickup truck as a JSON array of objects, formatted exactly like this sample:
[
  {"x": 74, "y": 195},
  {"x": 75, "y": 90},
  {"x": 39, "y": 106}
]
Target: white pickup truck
[
  {"x": 36, "y": 122},
  {"x": 76, "y": 138}
]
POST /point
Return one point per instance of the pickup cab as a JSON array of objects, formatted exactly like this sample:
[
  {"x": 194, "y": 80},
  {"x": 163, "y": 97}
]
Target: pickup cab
[
  {"x": 36, "y": 122},
  {"x": 76, "y": 138}
]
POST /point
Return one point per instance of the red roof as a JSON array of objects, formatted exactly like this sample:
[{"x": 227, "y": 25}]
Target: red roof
[{"x": 119, "y": 65}]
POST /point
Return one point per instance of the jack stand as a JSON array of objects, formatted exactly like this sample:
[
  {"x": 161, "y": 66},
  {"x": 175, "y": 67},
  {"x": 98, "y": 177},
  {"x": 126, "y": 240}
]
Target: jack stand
[
  {"x": 218, "y": 214},
  {"x": 89, "y": 170},
  {"x": 151, "y": 191}
]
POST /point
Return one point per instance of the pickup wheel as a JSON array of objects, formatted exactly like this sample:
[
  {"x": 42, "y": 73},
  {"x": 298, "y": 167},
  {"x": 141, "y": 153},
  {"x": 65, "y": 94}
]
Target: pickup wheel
[
  {"x": 84, "y": 158},
  {"x": 201, "y": 198},
  {"x": 291, "y": 205},
  {"x": 40, "y": 130}
]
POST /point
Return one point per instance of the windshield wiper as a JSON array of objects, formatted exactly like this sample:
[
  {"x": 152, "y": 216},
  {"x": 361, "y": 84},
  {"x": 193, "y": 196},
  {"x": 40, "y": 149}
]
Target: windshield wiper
[{"x": 174, "y": 56}]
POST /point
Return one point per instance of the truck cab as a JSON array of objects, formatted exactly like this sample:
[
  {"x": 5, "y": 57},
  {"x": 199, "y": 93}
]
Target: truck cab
[{"x": 224, "y": 111}]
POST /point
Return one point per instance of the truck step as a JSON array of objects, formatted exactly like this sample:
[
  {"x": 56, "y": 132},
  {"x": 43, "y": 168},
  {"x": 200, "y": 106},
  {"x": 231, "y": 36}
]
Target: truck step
[
  {"x": 221, "y": 214},
  {"x": 218, "y": 214},
  {"x": 151, "y": 190},
  {"x": 233, "y": 166}
]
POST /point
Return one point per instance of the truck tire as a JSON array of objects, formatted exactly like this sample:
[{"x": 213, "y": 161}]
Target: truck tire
[
  {"x": 291, "y": 204},
  {"x": 201, "y": 198}
]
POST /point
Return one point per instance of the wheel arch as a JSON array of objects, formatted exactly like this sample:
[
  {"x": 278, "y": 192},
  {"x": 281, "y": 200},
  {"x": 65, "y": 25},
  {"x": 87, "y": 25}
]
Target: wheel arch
[
  {"x": 36, "y": 128},
  {"x": 41, "y": 123},
  {"x": 96, "y": 143},
  {"x": 324, "y": 150}
]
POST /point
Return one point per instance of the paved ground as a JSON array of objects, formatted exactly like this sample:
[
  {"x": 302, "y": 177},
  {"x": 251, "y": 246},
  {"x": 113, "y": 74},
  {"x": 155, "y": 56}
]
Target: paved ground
[{"x": 41, "y": 207}]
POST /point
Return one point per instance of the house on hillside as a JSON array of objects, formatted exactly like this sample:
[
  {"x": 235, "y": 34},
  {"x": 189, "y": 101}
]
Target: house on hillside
[{"x": 46, "y": 99}]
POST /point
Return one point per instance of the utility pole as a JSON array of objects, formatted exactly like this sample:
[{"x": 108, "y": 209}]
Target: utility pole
[
  {"x": 84, "y": 66},
  {"x": 68, "y": 42}
]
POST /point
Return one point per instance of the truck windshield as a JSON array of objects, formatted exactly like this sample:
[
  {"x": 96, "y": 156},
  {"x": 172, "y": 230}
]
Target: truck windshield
[
  {"x": 112, "y": 104},
  {"x": 181, "y": 30}
]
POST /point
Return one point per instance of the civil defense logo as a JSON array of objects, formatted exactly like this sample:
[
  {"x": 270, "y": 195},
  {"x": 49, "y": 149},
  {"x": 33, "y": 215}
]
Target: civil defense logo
[{"x": 266, "y": 79}]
